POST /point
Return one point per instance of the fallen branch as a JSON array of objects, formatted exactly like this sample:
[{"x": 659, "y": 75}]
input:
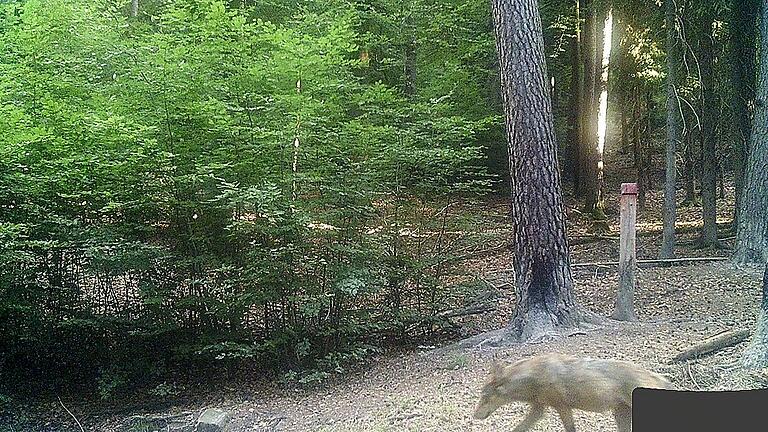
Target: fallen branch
[
  {"x": 712, "y": 345},
  {"x": 653, "y": 262},
  {"x": 494, "y": 286},
  {"x": 587, "y": 239},
  {"x": 72, "y": 415},
  {"x": 471, "y": 310}
]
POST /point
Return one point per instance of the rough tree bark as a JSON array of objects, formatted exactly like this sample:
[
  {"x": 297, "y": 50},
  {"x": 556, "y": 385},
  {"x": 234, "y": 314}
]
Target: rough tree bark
[
  {"x": 743, "y": 42},
  {"x": 543, "y": 282},
  {"x": 752, "y": 234},
  {"x": 756, "y": 354},
  {"x": 708, "y": 136},
  {"x": 673, "y": 133}
]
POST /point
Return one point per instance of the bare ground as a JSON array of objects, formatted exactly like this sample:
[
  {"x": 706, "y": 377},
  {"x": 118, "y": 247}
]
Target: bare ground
[{"x": 436, "y": 390}]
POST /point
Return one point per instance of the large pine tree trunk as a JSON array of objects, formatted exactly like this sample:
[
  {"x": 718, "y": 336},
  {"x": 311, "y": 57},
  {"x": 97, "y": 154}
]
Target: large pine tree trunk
[
  {"x": 708, "y": 137},
  {"x": 543, "y": 282},
  {"x": 742, "y": 49},
  {"x": 752, "y": 237},
  {"x": 673, "y": 133}
]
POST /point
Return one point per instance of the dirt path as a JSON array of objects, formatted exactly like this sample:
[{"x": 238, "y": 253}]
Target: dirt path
[{"x": 436, "y": 390}]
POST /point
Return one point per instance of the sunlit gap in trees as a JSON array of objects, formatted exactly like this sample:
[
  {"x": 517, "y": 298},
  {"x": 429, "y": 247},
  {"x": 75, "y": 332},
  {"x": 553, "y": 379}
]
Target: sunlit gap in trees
[{"x": 603, "y": 114}]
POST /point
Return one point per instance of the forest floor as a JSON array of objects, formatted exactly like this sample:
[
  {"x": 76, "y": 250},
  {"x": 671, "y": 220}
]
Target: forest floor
[{"x": 436, "y": 387}]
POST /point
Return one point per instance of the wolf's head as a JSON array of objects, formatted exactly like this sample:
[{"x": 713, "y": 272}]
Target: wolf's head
[
  {"x": 492, "y": 396},
  {"x": 506, "y": 384}
]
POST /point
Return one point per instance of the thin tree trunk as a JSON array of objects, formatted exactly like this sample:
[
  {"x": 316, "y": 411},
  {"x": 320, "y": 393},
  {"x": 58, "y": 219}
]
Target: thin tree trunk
[
  {"x": 296, "y": 149},
  {"x": 588, "y": 112},
  {"x": 592, "y": 157},
  {"x": 624, "y": 123},
  {"x": 708, "y": 122},
  {"x": 752, "y": 234},
  {"x": 689, "y": 164},
  {"x": 574, "y": 113},
  {"x": 720, "y": 181},
  {"x": 602, "y": 122},
  {"x": 673, "y": 133},
  {"x": 743, "y": 27},
  {"x": 134, "y": 8},
  {"x": 636, "y": 127},
  {"x": 644, "y": 156},
  {"x": 543, "y": 282}
]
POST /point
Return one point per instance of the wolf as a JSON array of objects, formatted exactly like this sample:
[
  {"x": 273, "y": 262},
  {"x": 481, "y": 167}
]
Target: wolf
[{"x": 566, "y": 383}]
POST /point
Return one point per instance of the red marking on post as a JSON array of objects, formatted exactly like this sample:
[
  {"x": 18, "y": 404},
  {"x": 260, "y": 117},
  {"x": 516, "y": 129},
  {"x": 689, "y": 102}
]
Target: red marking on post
[{"x": 629, "y": 188}]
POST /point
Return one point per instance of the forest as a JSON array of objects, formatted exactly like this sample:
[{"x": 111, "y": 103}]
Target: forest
[{"x": 337, "y": 215}]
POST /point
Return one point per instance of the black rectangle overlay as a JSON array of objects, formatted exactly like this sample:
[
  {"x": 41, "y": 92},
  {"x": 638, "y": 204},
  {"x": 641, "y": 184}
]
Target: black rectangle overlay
[{"x": 677, "y": 411}]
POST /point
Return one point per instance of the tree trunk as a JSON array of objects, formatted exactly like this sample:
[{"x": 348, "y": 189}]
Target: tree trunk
[
  {"x": 134, "y": 8},
  {"x": 752, "y": 234},
  {"x": 543, "y": 282},
  {"x": 673, "y": 133},
  {"x": 574, "y": 112},
  {"x": 296, "y": 148},
  {"x": 636, "y": 127},
  {"x": 743, "y": 27},
  {"x": 624, "y": 123},
  {"x": 602, "y": 122},
  {"x": 593, "y": 203},
  {"x": 588, "y": 112},
  {"x": 689, "y": 164},
  {"x": 756, "y": 354},
  {"x": 708, "y": 122},
  {"x": 644, "y": 155}
]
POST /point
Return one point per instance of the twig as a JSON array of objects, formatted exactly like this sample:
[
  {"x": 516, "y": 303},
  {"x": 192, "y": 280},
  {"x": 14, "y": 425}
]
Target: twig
[
  {"x": 72, "y": 415},
  {"x": 690, "y": 374},
  {"x": 653, "y": 261},
  {"x": 494, "y": 286}
]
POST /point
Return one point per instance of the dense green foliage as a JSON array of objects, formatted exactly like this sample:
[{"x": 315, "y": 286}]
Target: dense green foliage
[
  {"x": 158, "y": 210},
  {"x": 275, "y": 181}
]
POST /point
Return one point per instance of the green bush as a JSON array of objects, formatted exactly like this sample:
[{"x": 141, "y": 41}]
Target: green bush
[{"x": 156, "y": 211}]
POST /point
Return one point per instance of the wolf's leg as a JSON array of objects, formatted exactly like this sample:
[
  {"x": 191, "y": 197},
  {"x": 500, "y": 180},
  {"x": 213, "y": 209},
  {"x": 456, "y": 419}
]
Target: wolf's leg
[
  {"x": 623, "y": 416},
  {"x": 566, "y": 415},
  {"x": 534, "y": 415}
]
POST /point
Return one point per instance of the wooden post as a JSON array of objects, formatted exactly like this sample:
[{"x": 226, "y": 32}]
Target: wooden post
[{"x": 625, "y": 309}]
